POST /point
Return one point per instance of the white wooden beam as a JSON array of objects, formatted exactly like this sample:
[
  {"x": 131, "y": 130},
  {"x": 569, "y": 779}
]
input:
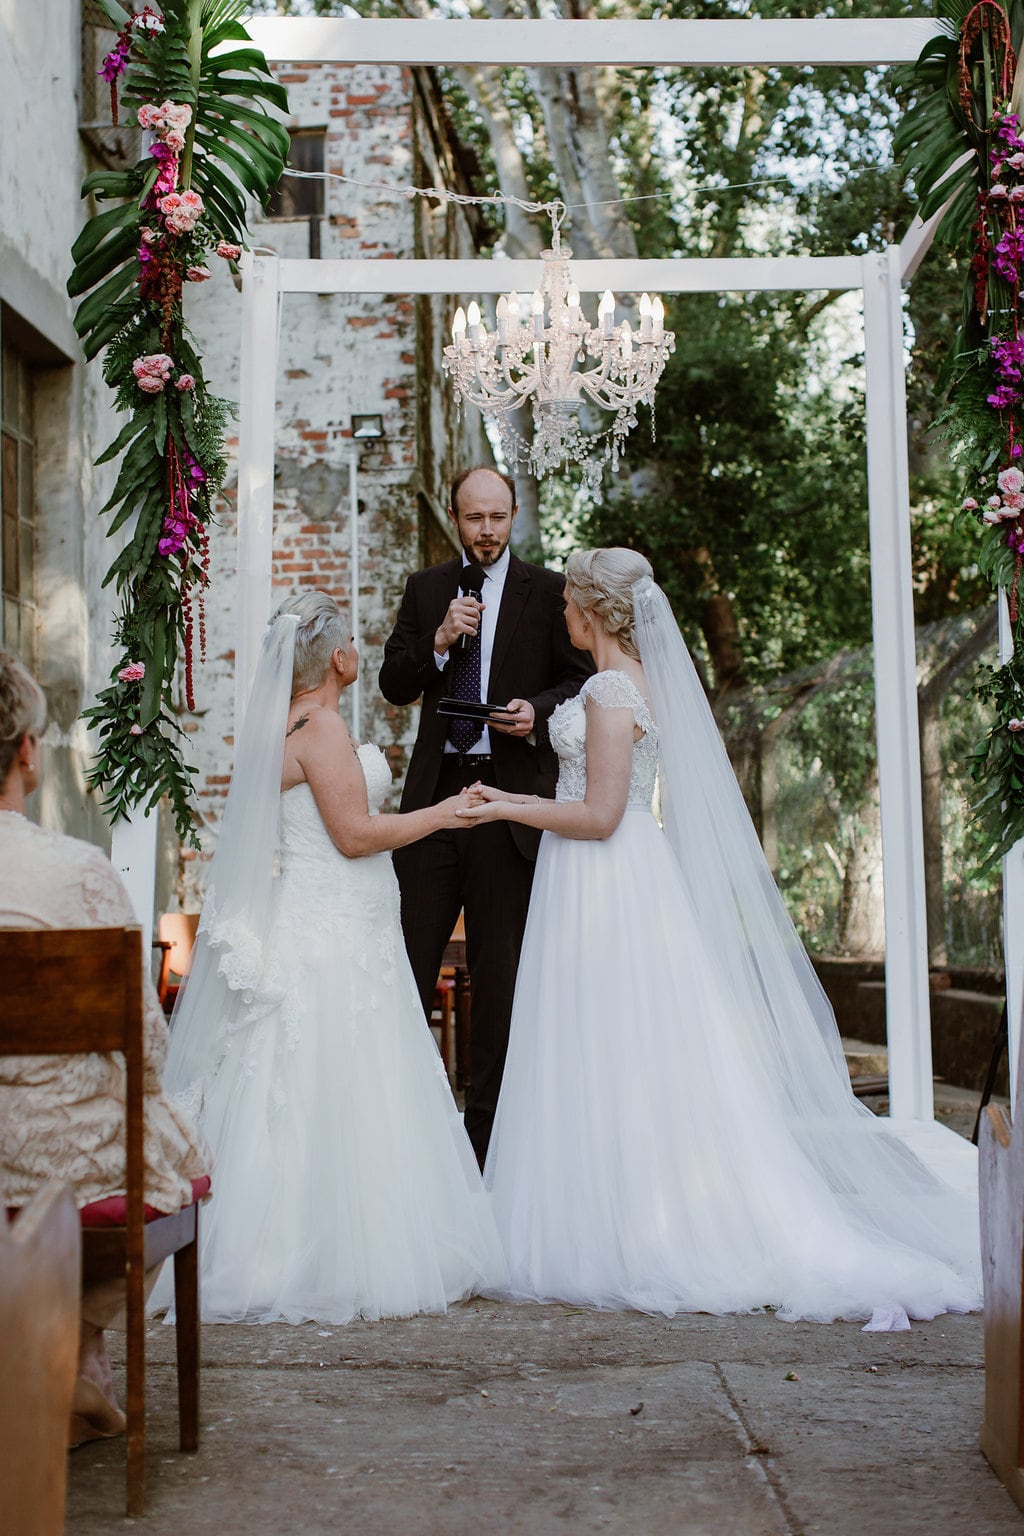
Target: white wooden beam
[
  {"x": 740, "y": 274},
  {"x": 659, "y": 44},
  {"x": 908, "y": 1022},
  {"x": 257, "y": 401}
]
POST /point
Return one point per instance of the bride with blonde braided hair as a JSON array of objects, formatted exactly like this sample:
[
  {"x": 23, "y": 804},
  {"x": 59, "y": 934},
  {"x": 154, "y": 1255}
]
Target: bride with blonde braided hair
[{"x": 676, "y": 1130}]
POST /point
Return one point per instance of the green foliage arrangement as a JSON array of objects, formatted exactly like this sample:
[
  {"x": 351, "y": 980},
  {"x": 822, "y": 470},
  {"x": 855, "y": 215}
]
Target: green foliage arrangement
[
  {"x": 215, "y": 142},
  {"x": 962, "y": 142}
]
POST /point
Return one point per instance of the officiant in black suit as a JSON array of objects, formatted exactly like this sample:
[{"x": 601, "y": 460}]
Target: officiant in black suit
[{"x": 516, "y": 654}]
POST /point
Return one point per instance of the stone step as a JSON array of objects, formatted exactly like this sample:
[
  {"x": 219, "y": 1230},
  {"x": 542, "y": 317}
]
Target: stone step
[{"x": 864, "y": 1059}]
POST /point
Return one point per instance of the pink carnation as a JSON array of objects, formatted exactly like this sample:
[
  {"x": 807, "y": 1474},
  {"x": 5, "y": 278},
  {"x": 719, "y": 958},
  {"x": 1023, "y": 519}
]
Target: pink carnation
[
  {"x": 135, "y": 730},
  {"x": 969, "y": 504},
  {"x": 1011, "y": 480},
  {"x": 184, "y": 381},
  {"x": 991, "y": 517},
  {"x": 134, "y": 672},
  {"x": 175, "y": 140},
  {"x": 199, "y": 274},
  {"x": 228, "y": 251},
  {"x": 148, "y": 116}
]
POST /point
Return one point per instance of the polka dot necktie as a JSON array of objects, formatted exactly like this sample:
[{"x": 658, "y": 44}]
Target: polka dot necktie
[{"x": 465, "y": 685}]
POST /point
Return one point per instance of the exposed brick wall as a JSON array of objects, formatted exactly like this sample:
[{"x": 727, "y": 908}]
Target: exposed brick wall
[{"x": 341, "y": 355}]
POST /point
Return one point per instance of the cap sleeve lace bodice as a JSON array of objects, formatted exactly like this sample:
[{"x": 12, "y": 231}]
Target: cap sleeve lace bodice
[{"x": 568, "y": 733}]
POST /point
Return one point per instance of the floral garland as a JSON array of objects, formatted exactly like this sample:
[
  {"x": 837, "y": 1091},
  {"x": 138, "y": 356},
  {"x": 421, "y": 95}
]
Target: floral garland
[
  {"x": 966, "y": 100},
  {"x": 212, "y": 144}
]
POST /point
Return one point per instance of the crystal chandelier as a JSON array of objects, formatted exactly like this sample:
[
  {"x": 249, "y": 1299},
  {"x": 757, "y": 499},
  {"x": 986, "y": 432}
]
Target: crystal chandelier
[{"x": 539, "y": 357}]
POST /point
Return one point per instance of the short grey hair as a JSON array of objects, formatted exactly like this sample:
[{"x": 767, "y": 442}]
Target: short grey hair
[
  {"x": 22, "y": 710},
  {"x": 322, "y": 631}
]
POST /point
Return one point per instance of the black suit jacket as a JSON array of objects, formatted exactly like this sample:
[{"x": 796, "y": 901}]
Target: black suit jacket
[{"x": 532, "y": 659}]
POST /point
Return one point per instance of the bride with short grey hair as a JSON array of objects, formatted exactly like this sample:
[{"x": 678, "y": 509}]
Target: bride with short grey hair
[
  {"x": 676, "y": 1130},
  {"x": 345, "y": 1183}
]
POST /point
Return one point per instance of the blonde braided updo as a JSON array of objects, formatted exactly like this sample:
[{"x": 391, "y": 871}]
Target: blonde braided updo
[{"x": 600, "y": 583}]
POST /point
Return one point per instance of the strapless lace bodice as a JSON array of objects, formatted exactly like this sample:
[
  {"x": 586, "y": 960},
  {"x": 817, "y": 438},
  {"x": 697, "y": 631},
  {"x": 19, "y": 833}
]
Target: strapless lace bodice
[
  {"x": 318, "y": 883},
  {"x": 567, "y": 729}
]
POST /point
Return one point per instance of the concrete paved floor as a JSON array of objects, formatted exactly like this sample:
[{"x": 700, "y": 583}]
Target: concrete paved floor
[{"x": 526, "y": 1420}]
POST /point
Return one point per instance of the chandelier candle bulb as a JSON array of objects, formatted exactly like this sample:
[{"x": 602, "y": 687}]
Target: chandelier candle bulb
[
  {"x": 563, "y": 368},
  {"x": 606, "y": 313}
]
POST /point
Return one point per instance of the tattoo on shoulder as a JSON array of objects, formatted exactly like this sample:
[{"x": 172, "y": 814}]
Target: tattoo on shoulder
[{"x": 300, "y": 722}]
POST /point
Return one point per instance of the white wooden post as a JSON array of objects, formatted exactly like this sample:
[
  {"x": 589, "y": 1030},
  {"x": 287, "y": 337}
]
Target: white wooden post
[
  {"x": 133, "y": 855},
  {"x": 257, "y": 396},
  {"x": 353, "y": 581},
  {"x": 1013, "y": 905},
  {"x": 908, "y": 1021}
]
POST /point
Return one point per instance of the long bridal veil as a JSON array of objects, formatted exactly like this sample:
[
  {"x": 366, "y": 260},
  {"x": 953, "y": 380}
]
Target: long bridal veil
[
  {"x": 780, "y": 1015},
  {"x": 227, "y": 983}
]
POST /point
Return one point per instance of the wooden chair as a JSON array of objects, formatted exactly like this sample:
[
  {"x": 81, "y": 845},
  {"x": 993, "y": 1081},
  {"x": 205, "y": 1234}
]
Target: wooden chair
[
  {"x": 40, "y": 1267},
  {"x": 1001, "y": 1192},
  {"x": 75, "y": 991},
  {"x": 175, "y": 936}
]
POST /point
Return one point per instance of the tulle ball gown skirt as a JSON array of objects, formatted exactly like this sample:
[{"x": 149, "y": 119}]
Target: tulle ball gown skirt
[
  {"x": 344, "y": 1183},
  {"x": 635, "y": 1161}
]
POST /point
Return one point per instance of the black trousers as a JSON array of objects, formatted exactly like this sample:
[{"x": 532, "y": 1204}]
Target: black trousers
[{"x": 479, "y": 871}]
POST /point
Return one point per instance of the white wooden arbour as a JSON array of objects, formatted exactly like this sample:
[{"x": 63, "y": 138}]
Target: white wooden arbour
[{"x": 879, "y": 277}]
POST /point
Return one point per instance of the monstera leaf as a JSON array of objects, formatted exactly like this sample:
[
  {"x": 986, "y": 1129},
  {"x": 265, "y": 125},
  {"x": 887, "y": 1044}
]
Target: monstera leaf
[
  {"x": 235, "y": 146},
  {"x": 941, "y": 142}
]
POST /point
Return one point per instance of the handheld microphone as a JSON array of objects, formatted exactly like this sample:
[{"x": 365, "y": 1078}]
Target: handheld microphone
[{"x": 471, "y": 584}]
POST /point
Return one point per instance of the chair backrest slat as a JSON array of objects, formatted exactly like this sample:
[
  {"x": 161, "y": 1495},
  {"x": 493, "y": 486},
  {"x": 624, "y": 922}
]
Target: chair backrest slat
[{"x": 68, "y": 990}]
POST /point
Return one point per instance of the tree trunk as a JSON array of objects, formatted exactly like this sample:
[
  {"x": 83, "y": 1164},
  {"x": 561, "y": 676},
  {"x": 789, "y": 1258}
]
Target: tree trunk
[
  {"x": 862, "y": 908},
  {"x": 930, "y": 697},
  {"x": 721, "y": 631},
  {"x": 931, "y": 818}
]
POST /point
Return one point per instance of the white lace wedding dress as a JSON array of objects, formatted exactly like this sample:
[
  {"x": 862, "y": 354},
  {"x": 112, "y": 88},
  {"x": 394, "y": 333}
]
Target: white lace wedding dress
[
  {"x": 638, "y": 1159},
  {"x": 344, "y": 1184}
]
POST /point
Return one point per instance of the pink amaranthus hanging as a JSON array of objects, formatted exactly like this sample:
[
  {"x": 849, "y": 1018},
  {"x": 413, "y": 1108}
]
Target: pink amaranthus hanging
[{"x": 215, "y": 140}]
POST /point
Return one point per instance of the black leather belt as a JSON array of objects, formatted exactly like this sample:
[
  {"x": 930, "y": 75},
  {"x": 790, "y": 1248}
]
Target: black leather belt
[{"x": 462, "y": 760}]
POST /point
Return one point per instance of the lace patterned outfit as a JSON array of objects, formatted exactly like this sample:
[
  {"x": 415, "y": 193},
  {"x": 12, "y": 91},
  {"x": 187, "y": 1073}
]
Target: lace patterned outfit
[
  {"x": 639, "y": 1158},
  {"x": 63, "y": 1117},
  {"x": 346, "y": 1185}
]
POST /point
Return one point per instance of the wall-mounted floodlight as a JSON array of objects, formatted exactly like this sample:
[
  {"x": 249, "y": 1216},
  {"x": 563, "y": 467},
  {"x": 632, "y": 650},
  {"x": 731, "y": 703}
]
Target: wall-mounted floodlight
[{"x": 367, "y": 427}]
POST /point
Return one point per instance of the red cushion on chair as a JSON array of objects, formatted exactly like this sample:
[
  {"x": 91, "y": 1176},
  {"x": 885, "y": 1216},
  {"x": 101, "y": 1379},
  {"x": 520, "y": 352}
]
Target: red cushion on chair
[{"x": 109, "y": 1212}]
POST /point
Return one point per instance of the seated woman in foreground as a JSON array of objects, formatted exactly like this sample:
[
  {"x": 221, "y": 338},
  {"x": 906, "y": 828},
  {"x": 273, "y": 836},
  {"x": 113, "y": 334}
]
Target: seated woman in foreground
[{"x": 63, "y": 1117}]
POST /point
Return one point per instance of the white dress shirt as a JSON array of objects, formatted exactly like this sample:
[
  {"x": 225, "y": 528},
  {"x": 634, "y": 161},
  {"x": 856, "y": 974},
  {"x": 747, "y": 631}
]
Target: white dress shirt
[{"x": 494, "y": 586}]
